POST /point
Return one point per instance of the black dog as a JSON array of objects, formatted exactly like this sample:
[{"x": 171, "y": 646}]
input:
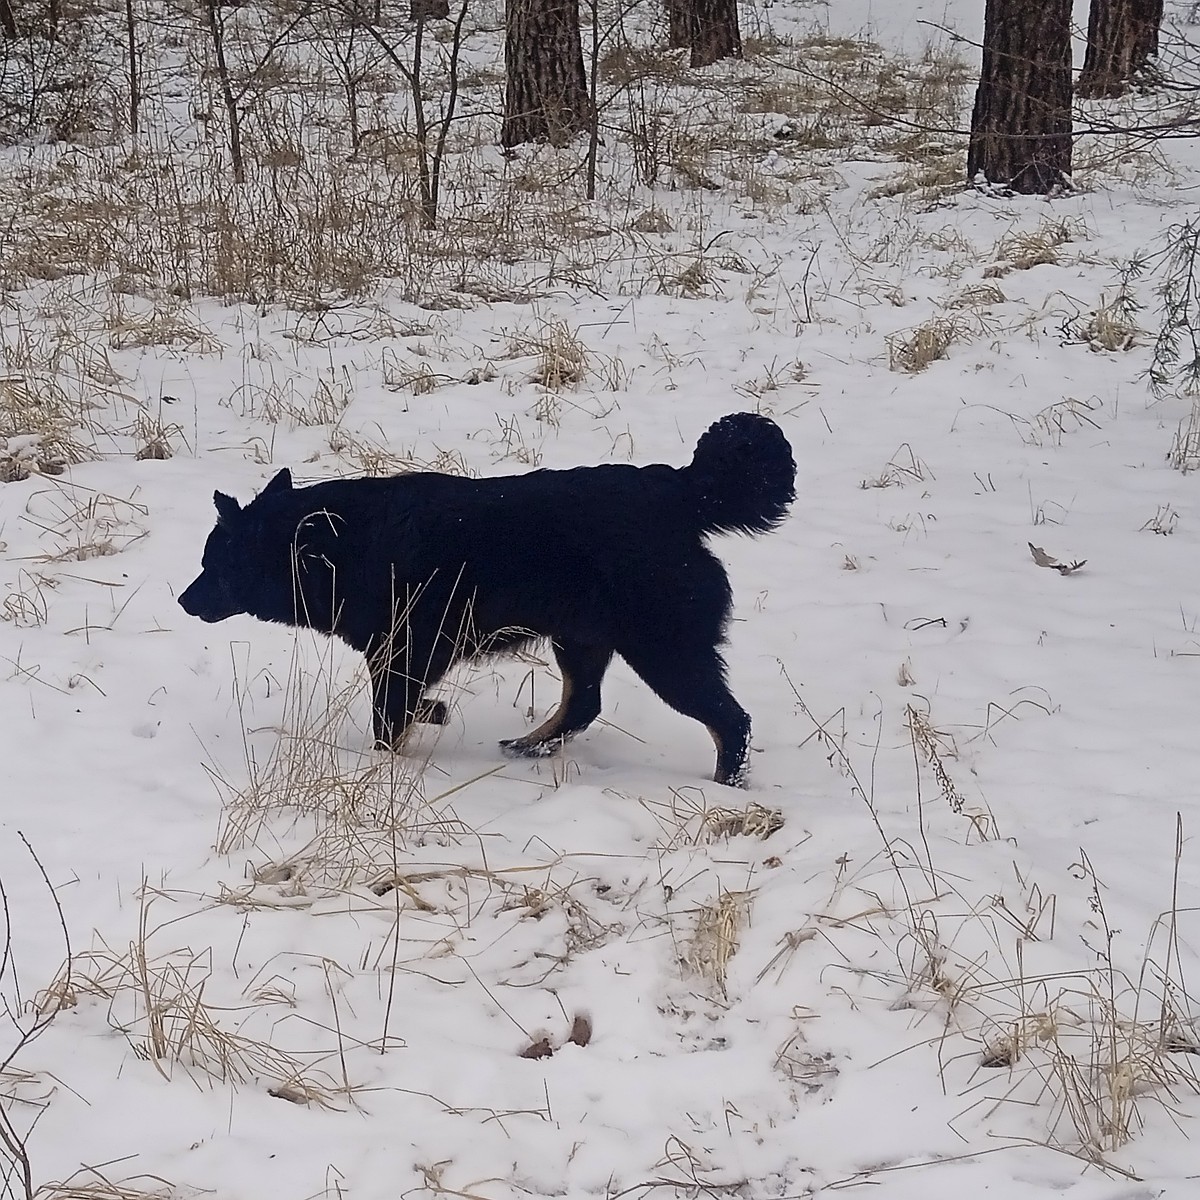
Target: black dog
[{"x": 421, "y": 570}]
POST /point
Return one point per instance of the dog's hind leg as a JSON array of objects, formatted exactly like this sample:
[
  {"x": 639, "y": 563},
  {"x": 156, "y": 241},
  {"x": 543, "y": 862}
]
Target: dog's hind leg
[
  {"x": 691, "y": 679},
  {"x": 432, "y": 712},
  {"x": 582, "y": 669}
]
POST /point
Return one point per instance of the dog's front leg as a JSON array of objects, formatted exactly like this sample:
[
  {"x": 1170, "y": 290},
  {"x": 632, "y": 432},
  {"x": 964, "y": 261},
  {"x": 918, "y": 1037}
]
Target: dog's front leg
[
  {"x": 397, "y": 687},
  {"x": 395, "y": 700}
]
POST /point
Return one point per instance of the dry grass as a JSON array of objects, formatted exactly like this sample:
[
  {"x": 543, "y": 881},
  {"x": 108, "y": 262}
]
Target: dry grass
[
  {"x": 27, "y": 605},
  {"x": 1184, "y": 451},
  {"x": 155, "y": 438},
  {"x": 165, "y": 321},
  {"x": 1022, "y": 251},
  {"x": 627, "y": 65},
  {"x": 838, "y": 92},
  {"x": 561, "y": 358},
  {"x": 319, "y": 220},
  {"x": 318, "y": 773},
  {"x": 1068, "y": 415},
  {"x": 903, "y": 467},
  {"x": 54, "y": 378},
  {"x": 160, "y": 1002},
  {"x": 652, "y": 220},
  {"x": 83, "y": 523},
  {"x": 310, "y": 770},
  {"x": 366, "y": 457},
  {"x": 935, "y": 747},
  {"x": 927, "y": 181},
  {"x": 90, "y": 1183},
  {"x": 1163, "y": 522},
  {"x": 716, "y": 937},
  {"x": 976, "y": 296},
  {"x": 912, "y": 350},
  {"x": 296, "y": 401},
  {"x": 1111, "y": 325},
  {"x": 1087, "y": 1051},
  {"x": 755, "y": 820}
]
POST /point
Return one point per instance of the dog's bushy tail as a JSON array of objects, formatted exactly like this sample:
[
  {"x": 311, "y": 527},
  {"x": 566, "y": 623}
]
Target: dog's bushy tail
[{"x": 743, "y": 475}]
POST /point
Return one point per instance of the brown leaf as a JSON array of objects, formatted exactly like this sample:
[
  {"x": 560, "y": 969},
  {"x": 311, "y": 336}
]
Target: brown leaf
[{"x": 538, "y": 1049}]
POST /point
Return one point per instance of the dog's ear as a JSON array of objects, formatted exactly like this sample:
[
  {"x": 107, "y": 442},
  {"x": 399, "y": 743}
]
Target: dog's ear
[
  {"x": 281, "y": 483},
  {"x": 228, "y": 509}
]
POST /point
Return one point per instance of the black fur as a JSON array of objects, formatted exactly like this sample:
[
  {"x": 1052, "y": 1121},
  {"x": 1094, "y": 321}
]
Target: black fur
[{"x": 421, "y": 570}]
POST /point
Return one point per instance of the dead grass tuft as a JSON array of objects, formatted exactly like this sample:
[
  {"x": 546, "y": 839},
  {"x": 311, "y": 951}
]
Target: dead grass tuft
[
  {"x": 1024, "y": 250},
  {"x": 155, "y": 438},
  {"x": 716, "y": 937},
  {"x": 159, "y": 1001},
  {"x": 928, "y": 181},
  {"x": 755, "y": 820},
  {"x": 166, "y": 323},
  {"x": 91, "y": 1184},
  {"x": 561, "y": 357},
  {"x": 652, "y": 220},
  {"x": 976, "y": 296},
  {"x": 84, "y": 524},
  {"x": 1111, "y": 325},
  {"x": 912, "y": 350}
]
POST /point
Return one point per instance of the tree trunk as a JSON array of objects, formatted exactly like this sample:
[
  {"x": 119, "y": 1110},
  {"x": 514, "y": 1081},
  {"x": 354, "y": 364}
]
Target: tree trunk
[
  {"x": 8, "y": 20},
  {"x": 135, "y": 89},
  {"x": 545, "y": 94},
  {"x": 714, "y": 31},
  {"x": 216, "y": 29},
  {"x": 1148, "y": 32},
  {"x": 708, "y": 28},
  {"x": 679, "y": 24},
  {"x": 1021, "y": 124},
  {"x": 1122, "y": 38},
  {"x": 428, "y": 10}
]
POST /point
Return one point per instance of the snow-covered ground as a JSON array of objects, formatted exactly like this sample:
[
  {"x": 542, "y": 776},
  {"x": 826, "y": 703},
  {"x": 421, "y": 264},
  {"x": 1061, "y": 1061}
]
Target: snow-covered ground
[{"x": 948, "y": 948}]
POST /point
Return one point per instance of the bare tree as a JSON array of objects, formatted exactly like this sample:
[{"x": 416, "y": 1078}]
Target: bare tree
[
  {"x": 546, "y": 93},
  {"x": 1021, "y": 123},
  {"x": 216, "y": 29},
  {"x": 135, "y": 86},
  {"x": 231, "y": 97},
  {"x": 27, "y": 1023},
  {"x": 431, "y": 135},
  {"x": 1122, "y": 38},
  {"x": 340, "y": 45},
  {"x": 8, "y": 20}
]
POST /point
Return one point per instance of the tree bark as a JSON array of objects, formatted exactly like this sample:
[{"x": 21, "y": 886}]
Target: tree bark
[
  {"x": 714, "y": 31},
  {"x": 135, "y": 89},
  {"x": 216, "y": 29},
  {"x": 679, "y": 24},
  {"x": 708, "y": 28},
  {"x": 545, "y": 94},
  {"x": 1021, "y": 124},
  {"x": 1122, "y": 38}
]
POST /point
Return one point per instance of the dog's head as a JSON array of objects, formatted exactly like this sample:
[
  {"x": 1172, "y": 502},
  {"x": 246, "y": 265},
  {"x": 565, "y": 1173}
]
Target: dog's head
[{"x": 235, "y": 563}]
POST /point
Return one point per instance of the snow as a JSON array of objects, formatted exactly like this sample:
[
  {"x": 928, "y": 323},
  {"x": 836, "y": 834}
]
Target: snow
[{"x": 984, "y": 767}]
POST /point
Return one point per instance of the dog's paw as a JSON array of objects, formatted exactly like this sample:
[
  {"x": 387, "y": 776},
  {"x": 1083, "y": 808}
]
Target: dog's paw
[
  {"x": 736, "y": 779},
  {"x": 519, "y": 748}
]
